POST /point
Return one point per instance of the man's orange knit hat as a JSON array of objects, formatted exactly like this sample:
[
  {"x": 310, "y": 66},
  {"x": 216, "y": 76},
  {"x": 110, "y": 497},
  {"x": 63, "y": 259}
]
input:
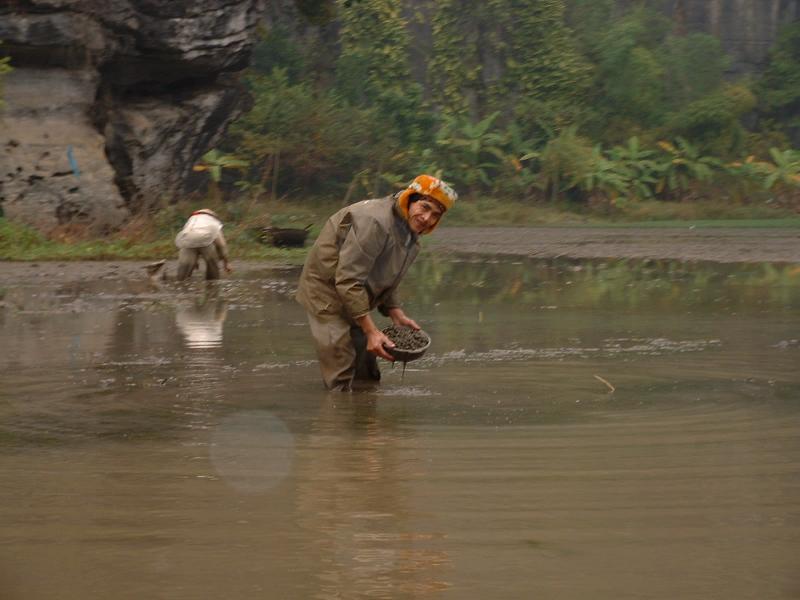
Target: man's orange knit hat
[{"x": 427, "y": 185}]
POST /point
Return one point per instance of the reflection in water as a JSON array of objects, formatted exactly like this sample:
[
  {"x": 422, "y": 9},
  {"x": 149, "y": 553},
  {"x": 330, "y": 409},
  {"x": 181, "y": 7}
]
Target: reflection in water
[
  {"x": 147, "y": 453},
  {"x": 201, "y": 321},
  {"x": 355, "y": 476}
]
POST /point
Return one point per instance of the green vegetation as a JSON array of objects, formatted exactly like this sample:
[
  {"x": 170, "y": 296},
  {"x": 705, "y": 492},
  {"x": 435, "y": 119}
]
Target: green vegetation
[
  {"x": 5, "y": 68},
  {"x": 778, "y": 91},
  {"x": 540, "y": 102}
]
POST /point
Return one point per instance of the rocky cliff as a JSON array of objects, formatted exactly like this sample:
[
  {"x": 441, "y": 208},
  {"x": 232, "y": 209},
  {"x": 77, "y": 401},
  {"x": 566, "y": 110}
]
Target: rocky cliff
[
  {"x": 111, "y": 102},
  {"x": 746, "y": 28}
]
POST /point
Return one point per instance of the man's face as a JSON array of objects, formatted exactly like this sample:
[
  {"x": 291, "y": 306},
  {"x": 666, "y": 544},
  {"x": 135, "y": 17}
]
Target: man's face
[{"x": 424, "y": 214}]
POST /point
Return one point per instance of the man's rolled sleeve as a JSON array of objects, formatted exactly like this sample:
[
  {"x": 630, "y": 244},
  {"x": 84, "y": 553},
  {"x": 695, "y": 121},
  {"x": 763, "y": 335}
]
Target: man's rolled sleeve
[{"x": 389, "y": 301}]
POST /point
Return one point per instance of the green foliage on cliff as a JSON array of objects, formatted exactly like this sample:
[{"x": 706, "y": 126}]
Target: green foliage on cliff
[
  {"x": 373, "y": 69},
  {"x": 296, "y": 133},
  {"x": 5, "y": 68},
  {"x": 648, "y": 79},
  {"x": 779, "y": 88},
  {"x": 506, "y": 56},
  {"x": 521, "y": 98},
  {"x": 276, "y": 50}
]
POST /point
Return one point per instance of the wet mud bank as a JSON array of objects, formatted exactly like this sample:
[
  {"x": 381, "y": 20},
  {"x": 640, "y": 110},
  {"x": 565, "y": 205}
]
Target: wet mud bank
[
  {"x": 728, "y": 245},
  {"x": 713, "y": 245}
]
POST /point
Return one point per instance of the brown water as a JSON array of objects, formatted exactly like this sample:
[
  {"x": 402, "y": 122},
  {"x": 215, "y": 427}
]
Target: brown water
[{"x": 175, "y": 443}]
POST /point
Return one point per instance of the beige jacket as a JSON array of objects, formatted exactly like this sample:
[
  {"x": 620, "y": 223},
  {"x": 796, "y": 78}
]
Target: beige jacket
[{"x": 359, "y": 258}]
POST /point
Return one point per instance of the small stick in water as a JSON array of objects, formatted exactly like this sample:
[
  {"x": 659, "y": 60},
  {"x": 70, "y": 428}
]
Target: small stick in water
[{"x": 610, "y": 387}]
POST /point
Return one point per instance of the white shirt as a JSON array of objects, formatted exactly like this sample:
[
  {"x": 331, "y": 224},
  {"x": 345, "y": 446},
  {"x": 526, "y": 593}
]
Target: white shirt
[{"x": 200, "y": 230}]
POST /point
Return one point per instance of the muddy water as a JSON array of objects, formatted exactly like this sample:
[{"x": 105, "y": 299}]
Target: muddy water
[{"x": 576, "y": 430}]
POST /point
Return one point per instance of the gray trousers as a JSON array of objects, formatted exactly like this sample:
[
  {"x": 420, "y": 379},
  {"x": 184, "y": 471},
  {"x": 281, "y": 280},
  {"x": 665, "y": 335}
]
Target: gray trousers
[
  {"x": 342, "y": 353},
  {"x": 188, "y": 258}
]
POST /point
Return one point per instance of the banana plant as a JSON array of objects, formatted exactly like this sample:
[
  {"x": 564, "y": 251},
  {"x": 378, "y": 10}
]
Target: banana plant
[
  {"x": 685, "y": 165},
  {"x": 605, "y": 177},
  {"x": 639, "y": 166},
  {"x": 784, "y": 170},
  {"x": 213, "y": 162},
  {"x": 469, "y": 149},
  {"x": 517, "y": 160}
]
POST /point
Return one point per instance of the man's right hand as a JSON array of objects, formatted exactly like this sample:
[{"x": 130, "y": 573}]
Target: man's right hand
[{"x": 377, "y": 342}]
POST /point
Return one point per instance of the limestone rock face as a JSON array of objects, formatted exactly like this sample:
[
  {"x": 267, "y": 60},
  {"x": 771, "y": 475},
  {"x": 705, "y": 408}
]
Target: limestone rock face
[
  {"x": 746, "y": 28},
  {"x": 111, "y": 102},
  {"x": 53, "y": 165}
]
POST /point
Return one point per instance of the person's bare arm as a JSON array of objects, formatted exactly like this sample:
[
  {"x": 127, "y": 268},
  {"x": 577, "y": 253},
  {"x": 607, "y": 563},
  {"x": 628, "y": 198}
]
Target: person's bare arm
[{"x": 222, "y": 250}]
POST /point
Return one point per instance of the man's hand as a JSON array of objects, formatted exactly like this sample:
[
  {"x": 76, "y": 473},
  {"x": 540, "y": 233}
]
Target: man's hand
[
  {"x": 377, "y": 342},
  {"x": 400, "y": 319},
  {"x": 227, "y": 266}
]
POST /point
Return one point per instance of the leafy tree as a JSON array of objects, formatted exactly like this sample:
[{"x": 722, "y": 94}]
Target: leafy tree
[
  {"x": 313, "y": 138},
  {"x": 629, "y": 71},
  {"x": 646, "y": 77},
  {"x": 694, "y": 66},
  {"x": 5, "y": 68},
  {"x": 713, "y": 122},
  {"x": 276, "y": 50},
  {"x": 778, "y": 90}
]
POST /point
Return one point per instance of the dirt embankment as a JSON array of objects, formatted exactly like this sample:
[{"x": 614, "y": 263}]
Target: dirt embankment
[{"x": 716, "y": 245}]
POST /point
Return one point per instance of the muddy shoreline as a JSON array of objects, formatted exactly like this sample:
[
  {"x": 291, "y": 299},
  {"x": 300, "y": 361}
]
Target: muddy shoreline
[{"x": 727, "y": 245}]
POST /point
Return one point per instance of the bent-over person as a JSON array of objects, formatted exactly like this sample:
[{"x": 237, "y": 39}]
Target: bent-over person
[
  {"x": 355, "y": 266},
  {"x": 201, "y": 237}
]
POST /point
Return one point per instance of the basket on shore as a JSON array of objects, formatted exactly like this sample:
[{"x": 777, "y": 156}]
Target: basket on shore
[{"x": 284, "y": 237}]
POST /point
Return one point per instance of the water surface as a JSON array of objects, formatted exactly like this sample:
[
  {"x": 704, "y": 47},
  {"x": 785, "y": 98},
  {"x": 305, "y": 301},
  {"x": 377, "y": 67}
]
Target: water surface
[{"x": 577, "y": 430}]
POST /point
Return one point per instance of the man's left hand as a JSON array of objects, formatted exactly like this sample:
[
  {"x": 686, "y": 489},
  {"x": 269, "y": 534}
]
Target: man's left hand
[{"x": 400, "y": 318}]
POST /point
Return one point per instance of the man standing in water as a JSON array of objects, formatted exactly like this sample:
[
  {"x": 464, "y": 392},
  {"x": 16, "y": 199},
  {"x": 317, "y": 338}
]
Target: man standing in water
[
  {"x": 359, "y": 258},
  {"x": 201, "y": 237}
]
